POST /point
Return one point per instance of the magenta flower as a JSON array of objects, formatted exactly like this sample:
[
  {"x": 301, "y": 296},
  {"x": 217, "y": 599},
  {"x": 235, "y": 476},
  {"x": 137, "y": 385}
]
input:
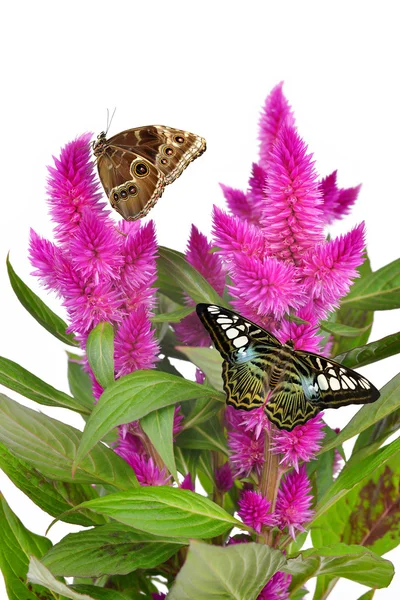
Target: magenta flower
[
  {"x": 191, "y": 332},
  {"x": 293, "y": 501},
  {"x": 255, "y": 421},
  {"x": 187, "y": 483},
  {"x": 277, "y": 587},
  {"x": 178, "y": 418},
  {"x": 44, "y": 257},
  {"x": 300, "y": 444},
  {"x": 147, "y": 472},
  {"x": 254, "y": 510},
  {"x": 139, "y": 250},
  {"x": 247, "y": 453},
  {"x": 224, "y": 478},
  {"x": 238, "y": 203},
  {"x": 209, "y": 264},
  {"x": 275, "y": 114},
  {"x": 236, "y": 237},
  {"x": 336, "y": 202},
  {"x": 135, "y": 344},
  {"x": 129, "y": 446}
]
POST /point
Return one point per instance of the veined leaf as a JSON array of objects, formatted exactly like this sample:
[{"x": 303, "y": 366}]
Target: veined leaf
[
  {"x": 365, "y": 355},
  {"x": 100, "y": 353},
  {"x": 54, "y": 497},
  {"x": 79, "y": 382},
  {"x": 17, "y": 544},
  {"x": 38, "y": 574},
  {"x": 165, "y": 511},
  {"x": 172, "y": 265},
  {"x": 50, "y": 447},
  {"x": 158, "y": 426},
  {"x": 343, "y": 330},
  {"x": 113, "y": 549},
  {"x": 378, "y": 291},
  {"x": 22, "y": 381},
  {"x": 239, "y": 571},
  {"x": 208, "y": 360},
  {"x": 174, "y": 316},
  {"x": 352, "y": 562},
  {"x": 372, "y": 438},
  {"x": 38, "y": 309},
  {"x": 206, "y": 436},
  {"x": 132, "y": 397},
  {"x": 369, "y": 414},
  {"x": 99, "y": 593}
]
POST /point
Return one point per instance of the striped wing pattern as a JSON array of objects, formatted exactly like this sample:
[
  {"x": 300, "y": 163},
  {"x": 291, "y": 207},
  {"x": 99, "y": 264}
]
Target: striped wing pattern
[{"x": 257, "y": 366}]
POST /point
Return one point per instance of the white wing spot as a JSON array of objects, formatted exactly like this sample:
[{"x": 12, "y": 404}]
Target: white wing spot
[
  {"x": 332, "y": 372},
  {"x": 213, "y": 309},
  {"x": 354, "y": 381},
  {"x": 319, "y": 363},
  {"x": 226, "y": 326},
  {"x": 256, "y": 331},
  {"x": 349, "y": 382},
  {"x": 241, "y": 327},
  {"x": 362, "y": 384},
  {"x": 334, "y": 383},
  {"x": 344, "y": 385},
  {"x": 222, "y": 320},
  {"x": 322, "y": 382},
  {"x": 240, "y": 341},
  {"x": 366, "y": 383},
  {"x": 232, "y": 333}
]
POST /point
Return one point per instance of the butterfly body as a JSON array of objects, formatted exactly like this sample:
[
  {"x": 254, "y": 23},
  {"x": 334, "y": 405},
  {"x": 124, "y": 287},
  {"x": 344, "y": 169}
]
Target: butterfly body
[
  {"x": 135, "y": 165},
  {"x": 292, "y": 385}
]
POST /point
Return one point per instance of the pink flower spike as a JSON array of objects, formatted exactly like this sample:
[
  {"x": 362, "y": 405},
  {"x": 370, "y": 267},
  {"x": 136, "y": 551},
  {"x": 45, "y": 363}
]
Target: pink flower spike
[
  {"x": 147, "y": 472},
  {"x": 254, "y": 510},
  {"x": 294, "y": 501},
  {"x": 300, "y": 444},
  {"x": 293, "y": 219},
  {"x": 330, "y": 267},
  {"x": 191, "y": 332},
  {"x": 276, "y": 113},
  {"x": 72, "y": 187},
  {"x": 247, "y": 453},
  {"x": 94, "y": 247},
  {"x": 187, "y": 483},
  {"x": 256, "y": 196},
  {"x": 224, "y": 478},
  {"x": 336, "y": 202},
  {"x": 129, "y": 447},
  {"x": 208, "y": 264},
  {"x": 266, "y": 285},
  {"x": 255, "y": 421},
  {"x": 139, "y": 251},
  {"x": 233, "y": 235},
  {"x": 238, "y": 203},
  {"x": 178, "y": 418},
  {"x": 277, "y": 587},
  {"x": 346, "y": 199},
  {"x": 44, "y": 256},
  {"x": 135, "y": 344}
]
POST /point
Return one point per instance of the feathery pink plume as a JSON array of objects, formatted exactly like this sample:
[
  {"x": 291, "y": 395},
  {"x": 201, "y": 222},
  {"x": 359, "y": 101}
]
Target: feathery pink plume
[
  {"x": 276, "y": 113},
  {"x": 209, "y": 264},
  {"x": 336, "y": 202},
  {"x": 235, "y": 236},
  {"x": 237, "y": 202},
  {"x": 300, "y": 444},
  {"x": 135, "y": 344},
  {"x": 256, "y": 192},
  {"x": 247, "y": 453},
  {"x": 294, "y": 501},
  {"x": 139, "y": 250},
  {"x": 254, "y": 510},
  {"x": 44, "y": 256},
  {"x": 277, "y": 587},
  {"x": 224, "y": 478}
]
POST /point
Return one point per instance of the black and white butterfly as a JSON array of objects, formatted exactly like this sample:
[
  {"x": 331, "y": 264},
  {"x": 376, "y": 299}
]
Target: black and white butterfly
[{"x": 256, "y": 365}]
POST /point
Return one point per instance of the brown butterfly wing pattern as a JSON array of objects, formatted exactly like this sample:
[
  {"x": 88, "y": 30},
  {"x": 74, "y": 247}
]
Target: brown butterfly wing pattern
[{"x": 135, "y": 165}]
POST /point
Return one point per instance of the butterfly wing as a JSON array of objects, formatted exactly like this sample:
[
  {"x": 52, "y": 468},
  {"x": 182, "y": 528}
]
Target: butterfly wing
[
  {"x": 247, "y": 350},
  {"x": 164, "y": 152}
]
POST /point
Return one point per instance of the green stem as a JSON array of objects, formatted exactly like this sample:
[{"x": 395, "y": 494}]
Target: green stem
[{"x": 269, "y": 483}]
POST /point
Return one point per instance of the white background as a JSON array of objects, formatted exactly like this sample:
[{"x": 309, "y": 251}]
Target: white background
[{"x": 205, "y": 67}]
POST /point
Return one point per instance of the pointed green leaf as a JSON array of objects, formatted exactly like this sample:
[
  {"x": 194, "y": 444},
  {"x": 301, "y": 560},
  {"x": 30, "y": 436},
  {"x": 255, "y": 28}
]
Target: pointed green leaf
[
  {"x": 99, "y": 593},
  {"x": 378, "y": 291},
  {"x": 343, "y": 330},
  {"x": 132, "y": 397},
  {"x": 340, "y": 560},
  {"x": 372, "y": 438},
  {"x": 172, "y": 265},
  {"x": 100, "y": 353},
  {"x": 158, "y": 426},
  {"x": 206, "y": 436},
  {"x": 17, "y": 544},
  {"x": 112, "y": 549},
  {"x": 54, "y": 497},
  {"x": 369, "y": 414},
  {"x": 239, "y": 571},
  {"x": 365, "y": 355},
  {"x": 22, "y": 381},
  {"x": 38, "y": 574},
  {"x": 174, "y": 316},
  {"x": 79, "y": 382},
  {"x": 50, "y": 447},
  {"x": 38, "y": 309},
  {"x": 368, "y": 595},
  {"x": 208, "y": 360},
  {"x": 165, "y": 511}
]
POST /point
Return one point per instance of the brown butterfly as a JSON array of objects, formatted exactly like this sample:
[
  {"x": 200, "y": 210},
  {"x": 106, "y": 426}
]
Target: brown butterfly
[{"x": 135, "y": 165}]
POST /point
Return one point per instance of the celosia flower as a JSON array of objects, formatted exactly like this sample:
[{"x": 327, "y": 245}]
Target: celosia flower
[
  {"x": 336, "y": 202},
  {"x": 224, "y": 478},
  {"x": 276, "y": 113},
  {"x": 128, "y": 447},
  {"x": 139, "y": 249},
  {"x": 187, "y": 483},
  {"x": 255, "y": 421},
  {"x": 147, "y": 472},
  {"x": 237, "y": 203},
  {"x": 254, "y": 510},
  {"x": 178, "y": 418},
  {"x": 209, "y": 264},
  {"x": 277, "y": 587},
  {"x": 293, "y": 501},
  {"x": 247, "y": 453},
  {"x": 234, "y": 236},
  {"x": 135, "y": 345},
  {"x": 44, "y": 257},
  {"x": 302, "y": 443},
  {"x": 191, "y": 332}
]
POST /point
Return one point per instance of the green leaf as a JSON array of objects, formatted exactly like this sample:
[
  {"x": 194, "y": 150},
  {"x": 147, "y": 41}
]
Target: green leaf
[
  {"x": 22, "y": 381},
  {"x": 368, "y": 595},
  {"x": 165, "y": 511},
  {"x": 343, "y": 330},
  {"x": 203, "y": 410},
  {"x": 368, "y": 515},
  {"x": 79, "y": 382},
  {"x": 50, "y": 447},
  {"x": 369, "y": 414},
  {"x": 158, "y": 426},
  {"x": 208, "y": 360},
  {"x": 17, "y": 544},
  {"x": 206, "y": 436},
  {"x": 352, "y": 474},
  {"x": 38, "y": 574},
  {"x": 99, "y": 593},
  {"x": 38, "y": 309},
  {"x": 54, "y": 497},
  {"x": 110, "y": 549},
  {"x": 174, "y": 316},
  {"x": 172, "y": 265},
  {"x": 340, "y": 560},
  {"x": 372, "y": 438},
  {"x": 132, "y": 397},
  {"x": 365, "y": 355},
  {"x": 239, "y": 572},
  {"x": 100, "y": 353},
  {"x": 378, "y": 291}
]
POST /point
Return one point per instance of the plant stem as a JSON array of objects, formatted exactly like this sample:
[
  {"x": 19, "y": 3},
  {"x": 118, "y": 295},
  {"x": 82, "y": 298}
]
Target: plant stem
[{"x": 269, "y": 483}]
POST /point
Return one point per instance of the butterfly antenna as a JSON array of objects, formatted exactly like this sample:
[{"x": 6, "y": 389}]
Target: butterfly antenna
[{"x": 109, "y": 121}]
